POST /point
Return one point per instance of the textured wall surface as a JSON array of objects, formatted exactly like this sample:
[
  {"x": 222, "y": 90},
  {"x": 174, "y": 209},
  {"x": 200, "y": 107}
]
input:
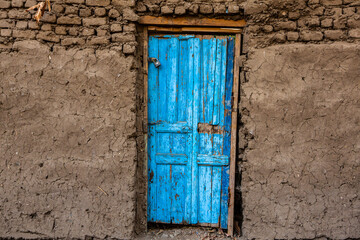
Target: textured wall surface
[
  {"x": 71, "y": 143},
  {"x": 301, "y": 172},
  {"x": 68, "y": 155}
]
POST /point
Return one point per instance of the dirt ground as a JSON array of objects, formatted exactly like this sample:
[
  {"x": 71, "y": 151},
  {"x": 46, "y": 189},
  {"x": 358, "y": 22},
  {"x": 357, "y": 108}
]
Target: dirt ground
[{"x": 185, "y": 233}]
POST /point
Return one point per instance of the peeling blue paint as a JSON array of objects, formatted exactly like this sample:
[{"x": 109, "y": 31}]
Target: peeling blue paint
[{"x": 188, "y": 165}]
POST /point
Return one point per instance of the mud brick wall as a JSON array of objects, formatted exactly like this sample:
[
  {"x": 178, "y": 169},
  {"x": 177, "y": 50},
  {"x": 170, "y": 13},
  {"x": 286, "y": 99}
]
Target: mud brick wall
[
  {"x": 274, "y": 22},
  {"x": 67, "y": 120},
  {"x": 71, "y": 148},
  {"x": 299, "y": 138}
]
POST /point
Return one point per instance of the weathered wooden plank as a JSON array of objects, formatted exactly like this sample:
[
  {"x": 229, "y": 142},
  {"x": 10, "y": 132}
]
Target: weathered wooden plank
[
  {"x": 205, "y": 187},
  {"x": 178, "y": 184},
  {"x": 233, "y": 136},
  {"x": 195, "y": 29},
  {"x": 227, "y": 128},
  {"x": 196, "y": 46},
  {"x": 215, "y": 195},
  {"x": 171, "y": 71},
  {"x": 152, "y": 94},
  {"x": 191, "y": 21},
  {"x": 163, "y": 192}
]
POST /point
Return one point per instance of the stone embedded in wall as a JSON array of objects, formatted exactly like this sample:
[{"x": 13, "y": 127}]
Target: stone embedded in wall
[
  {"x": 48, "y": 36},
  {"x": 69, "y": 20},
  {"x": 94, "y": 21},
  {"x": 4, "y": 4},
  {"x": 98, "y": 3}
]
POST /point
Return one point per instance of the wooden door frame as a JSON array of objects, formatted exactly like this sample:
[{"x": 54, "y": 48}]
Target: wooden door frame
[{"x": 200, "y": 25}]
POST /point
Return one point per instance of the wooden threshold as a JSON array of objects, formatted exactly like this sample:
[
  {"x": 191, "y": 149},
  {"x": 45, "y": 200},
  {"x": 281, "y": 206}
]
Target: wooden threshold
[
  {"x": 194, "y": 29},
  {"x": 191, "y": 21}
]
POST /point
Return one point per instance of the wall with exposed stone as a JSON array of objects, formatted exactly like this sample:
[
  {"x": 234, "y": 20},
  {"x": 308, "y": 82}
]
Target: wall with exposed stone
[{"x": 71, "y": 111}]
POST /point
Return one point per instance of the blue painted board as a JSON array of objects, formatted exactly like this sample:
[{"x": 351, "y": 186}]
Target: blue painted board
[{"x": 188, "y": 169}]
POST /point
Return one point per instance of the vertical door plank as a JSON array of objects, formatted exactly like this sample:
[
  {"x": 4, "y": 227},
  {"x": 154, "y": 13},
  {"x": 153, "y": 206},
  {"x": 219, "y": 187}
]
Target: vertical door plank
[
  {"x": 172, "y": 78},
  {"x": 163, "y": 193},
  {"x": 189, "y": 71},
  {"x": 178, "y": 184},
  {"x": 215, "y": 194},
  {"x": 227, "y": 128},
  {"x": 164, "y": 48},
  {"x": 196, "y": 117},
  {"x": 152, "y": 116},
  {"x": 233, "y": 137},
  {"x": 205, "y": 187}
]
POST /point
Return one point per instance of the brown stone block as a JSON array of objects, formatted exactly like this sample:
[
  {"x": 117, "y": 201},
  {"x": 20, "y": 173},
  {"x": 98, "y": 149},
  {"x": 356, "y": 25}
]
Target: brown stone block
[
  {"x": 3, "y": 14},
  {"x": 33, "y": 25},
  {"x": 116, "y": 27},
  {"x": 334, "y": 34},
  {"x": 289, "y": 25},
  {"x": 327, "y": 22},
  {"x": 24, "y": 34},
  {"x": 206, "y": 9},
  {"x": 17, "y": 3},
  {"x": 94, "y": 21},
  {"x": 60, "y": 30},
  {"x": 354, "y": 33},
  {"x": 331, "y": 2},
  {"x": 180, "y": 10},
  {"x": 353, "y": 23},
  {"x": 30, "y": 3},
  {"x": 219, "y": 9},
  {"x": 71, "y": 10},
  {"x": 98, "y": 3},
  {"x": 124, "y": 3},
  {"x": 49, "y": 18},
  {"x": 129, "y": 49},
  {"x": 113, "y": 13},
  {"x": 100, "y": 12},
  {"x": 129, "y": 14},
  {"x": 4, "y": 4},
  {"x": 69, "y": 20},
  {"x": 5, "y": 32},
  {"x": 48, "y": 36},
  {"x": 85, "y": 12},
  {"x": 75, "y": 1},
  {"x": 123, "y": 37},
  {"x": 88, "y": 32},
  {"x": 98, "y": 41},
  {"x": 311, "y": 35},
  {"x": 19, "y": 14},
  {"x": 21, "y": 25},
  {"x": 5, "y": 23},
  {"x": 292, "y": 36},
  {"x": 167, "y": 10},
  {"x": 72, "y": 41}
]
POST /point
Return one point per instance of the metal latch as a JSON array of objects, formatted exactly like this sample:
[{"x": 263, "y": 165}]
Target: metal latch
[{"x": 155, "y": 61}]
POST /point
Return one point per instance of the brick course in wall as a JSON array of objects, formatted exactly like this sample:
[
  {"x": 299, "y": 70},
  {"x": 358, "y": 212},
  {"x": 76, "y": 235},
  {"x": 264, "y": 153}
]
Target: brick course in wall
[{"x": 71, "y": 23}]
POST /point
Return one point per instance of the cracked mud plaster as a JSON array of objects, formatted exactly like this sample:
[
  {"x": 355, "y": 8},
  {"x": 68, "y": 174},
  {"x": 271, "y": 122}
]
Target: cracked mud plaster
[
  {"x": 67, "y": 121},
  {"x": 301, "y": 175}
]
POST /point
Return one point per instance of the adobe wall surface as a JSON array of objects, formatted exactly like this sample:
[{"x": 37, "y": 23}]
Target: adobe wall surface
[
  {"x": 71, "y": 141},
  {"x": 68, "y": 152},
  {"x": 301, "y": 170}
]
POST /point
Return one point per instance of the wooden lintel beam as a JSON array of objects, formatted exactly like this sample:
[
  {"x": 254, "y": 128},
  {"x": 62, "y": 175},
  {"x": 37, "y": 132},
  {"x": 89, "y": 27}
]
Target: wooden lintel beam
[
  {"x": 194, "y": 29},
  {"x": 191, "y": 21}
]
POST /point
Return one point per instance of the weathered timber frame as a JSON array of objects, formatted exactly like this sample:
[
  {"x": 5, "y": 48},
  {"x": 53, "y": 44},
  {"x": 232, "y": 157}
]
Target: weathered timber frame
[{"x": 200, "y": 25}]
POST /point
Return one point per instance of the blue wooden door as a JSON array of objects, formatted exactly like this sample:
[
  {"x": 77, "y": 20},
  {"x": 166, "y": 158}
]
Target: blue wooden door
[{"x": 189, "y": 119}]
